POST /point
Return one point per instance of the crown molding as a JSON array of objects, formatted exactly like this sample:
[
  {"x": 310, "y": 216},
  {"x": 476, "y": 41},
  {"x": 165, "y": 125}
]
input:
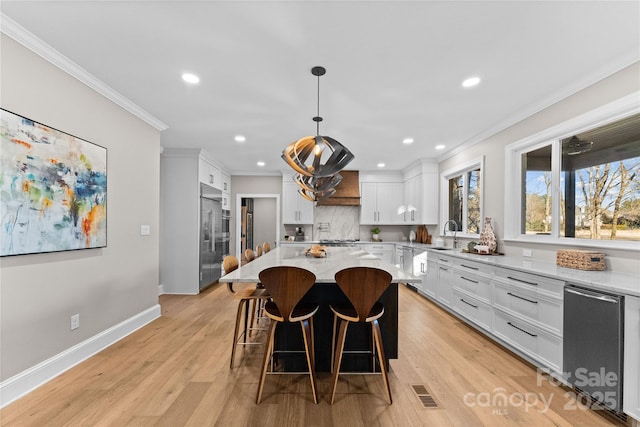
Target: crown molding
[
  {"x": 20, "y": 34},
  {"x": 576, "y": 86}
]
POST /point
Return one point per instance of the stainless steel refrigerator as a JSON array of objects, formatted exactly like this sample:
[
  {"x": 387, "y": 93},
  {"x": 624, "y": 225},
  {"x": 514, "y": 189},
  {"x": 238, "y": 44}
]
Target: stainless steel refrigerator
[{"x": 211, "y": 236}]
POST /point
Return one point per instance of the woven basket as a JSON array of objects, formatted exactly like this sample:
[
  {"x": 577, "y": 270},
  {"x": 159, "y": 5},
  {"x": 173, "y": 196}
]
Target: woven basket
[{"x": 581, "y": 260}]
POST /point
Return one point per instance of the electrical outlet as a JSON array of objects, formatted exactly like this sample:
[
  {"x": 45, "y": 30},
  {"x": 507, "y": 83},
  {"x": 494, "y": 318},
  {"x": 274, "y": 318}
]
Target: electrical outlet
[
  {"x": 527, "y": 253},
  {"x": 145, "y": 230},
  {"x": 75, "y": 321}
]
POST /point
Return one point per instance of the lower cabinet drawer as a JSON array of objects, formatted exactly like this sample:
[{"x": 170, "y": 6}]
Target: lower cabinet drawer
[
  {"x": 538, "y": 308},
  {"x": 477, "y": 285},
  {"x": 473, "y": 309},
  {"x": 534, "y": 342}
]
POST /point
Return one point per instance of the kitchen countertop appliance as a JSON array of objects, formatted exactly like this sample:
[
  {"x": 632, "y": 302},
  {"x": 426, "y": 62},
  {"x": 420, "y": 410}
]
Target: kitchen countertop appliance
[
  {"x": 593, "y": 345},
  {"x": 299, "y": 237}
]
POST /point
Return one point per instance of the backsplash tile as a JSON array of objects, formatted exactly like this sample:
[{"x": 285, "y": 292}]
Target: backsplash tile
[{"x": 336, "y": 222}]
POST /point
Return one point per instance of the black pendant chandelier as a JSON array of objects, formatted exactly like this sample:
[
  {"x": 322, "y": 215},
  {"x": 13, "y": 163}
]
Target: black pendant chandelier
[{"x": 317, "y": 180}]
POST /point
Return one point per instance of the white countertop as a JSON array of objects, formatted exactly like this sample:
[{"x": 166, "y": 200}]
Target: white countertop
[
  {"x": 324, "y": 268},
  {"x": 611, "y": 281}
]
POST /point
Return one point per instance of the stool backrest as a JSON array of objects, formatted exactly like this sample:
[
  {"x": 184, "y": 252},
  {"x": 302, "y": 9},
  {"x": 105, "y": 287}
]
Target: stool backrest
[
  {"x": 363, "y": 286},
  {"x": 229, "y": 264},
  {"x": 286, "y": 286},
  {"x": 258, "y": 251},
  {"x": 266, "y": 247},
  {"x": 249, "y": 255}
]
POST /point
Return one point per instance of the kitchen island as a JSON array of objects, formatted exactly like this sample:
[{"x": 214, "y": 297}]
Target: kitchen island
[{"x": 324, "y": 293}]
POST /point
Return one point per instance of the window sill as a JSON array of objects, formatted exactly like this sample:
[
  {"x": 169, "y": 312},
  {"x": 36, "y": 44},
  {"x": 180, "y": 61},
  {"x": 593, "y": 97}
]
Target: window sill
[{"x": 581, "y": 243}]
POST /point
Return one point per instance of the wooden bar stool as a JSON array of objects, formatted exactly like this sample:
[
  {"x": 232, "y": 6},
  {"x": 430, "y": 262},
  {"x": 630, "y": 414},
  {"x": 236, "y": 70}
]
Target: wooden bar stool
[
  {"x": 287, "y": 286},
  {"x": 230, "y": 263},
  {"x": 258, "y": 251},
  {"x": 362, "y": 286},
  {"x": 258, "y": 305},
  {"x": 266, "y": 247}
]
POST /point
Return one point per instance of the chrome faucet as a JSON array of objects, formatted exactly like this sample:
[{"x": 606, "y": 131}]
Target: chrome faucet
[{"x": 455, "y": 232}]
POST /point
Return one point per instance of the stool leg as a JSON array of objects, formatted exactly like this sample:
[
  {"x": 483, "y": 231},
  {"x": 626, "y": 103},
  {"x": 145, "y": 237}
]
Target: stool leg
[
  {"x": 235, "y": 332},
  {"x": 253, "y": 318},
  {"x": 338, "y": 357},
  {"x": 333, "y": 340},
  {"x": 381, "y": 357},
  {"x": 267, "y": 356},
  {"x": 308, "y": 347}
]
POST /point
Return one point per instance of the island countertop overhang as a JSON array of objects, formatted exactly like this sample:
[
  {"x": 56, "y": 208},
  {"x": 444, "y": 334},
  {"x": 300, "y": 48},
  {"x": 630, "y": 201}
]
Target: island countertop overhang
[{"x": 325, "y": 268}]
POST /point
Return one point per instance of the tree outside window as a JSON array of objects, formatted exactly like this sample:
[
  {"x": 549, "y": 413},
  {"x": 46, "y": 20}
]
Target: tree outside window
[{"x": 599, "y": 184}]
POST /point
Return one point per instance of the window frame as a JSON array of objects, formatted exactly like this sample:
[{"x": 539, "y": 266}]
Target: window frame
[
  {"x": 445, "y": 176},
  {"x": 553, "y": 136}
]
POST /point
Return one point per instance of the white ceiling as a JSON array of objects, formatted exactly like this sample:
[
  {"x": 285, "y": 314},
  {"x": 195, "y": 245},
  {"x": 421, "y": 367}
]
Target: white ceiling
[{"x": 394, "y": 68}]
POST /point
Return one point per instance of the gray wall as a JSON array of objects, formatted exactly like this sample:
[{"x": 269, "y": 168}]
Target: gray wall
[
  {"x": 241, "y": 184},
  {"x": 39, "y": 293},
  {"x": 614, "y": 87},
  {"x": 264, "y": 220}
]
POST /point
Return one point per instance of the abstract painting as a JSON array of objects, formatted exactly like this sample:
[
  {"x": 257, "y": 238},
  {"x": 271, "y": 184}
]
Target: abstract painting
[{"x": 53, "y": 189}]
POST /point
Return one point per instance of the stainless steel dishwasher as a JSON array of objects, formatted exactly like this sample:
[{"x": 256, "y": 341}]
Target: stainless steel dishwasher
[{"x": 593, "y": 344}]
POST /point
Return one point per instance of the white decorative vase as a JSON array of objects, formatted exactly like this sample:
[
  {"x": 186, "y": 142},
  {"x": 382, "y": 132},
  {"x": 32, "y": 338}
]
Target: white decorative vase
[
  {"x": 488, "y": 237},
  {"x": 375, "y": 237}
]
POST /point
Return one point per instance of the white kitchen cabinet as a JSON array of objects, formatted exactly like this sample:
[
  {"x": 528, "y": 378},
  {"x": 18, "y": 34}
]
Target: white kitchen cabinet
[
  {"x": 383, "y": 251},
  {"x": 295, "y": 208},
  {"x": 631, "y": 381},
  {"x": 226, "y": 190},
  {"x": 209, "y": 174},
  {"x": 536, "y": 343},
  {"x": 412, "y": 201},
  {"x": 444, "y": 287},
  {"x": 226, "y": 182},
  {"x": 380, "y": 202},
  {"x": 475, "y": 310},
  {"x": 430, "y": 280}
]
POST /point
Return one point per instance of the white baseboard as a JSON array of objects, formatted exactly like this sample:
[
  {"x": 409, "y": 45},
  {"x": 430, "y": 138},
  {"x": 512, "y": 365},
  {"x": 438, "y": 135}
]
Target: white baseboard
[{"x": 23, "y": 383}]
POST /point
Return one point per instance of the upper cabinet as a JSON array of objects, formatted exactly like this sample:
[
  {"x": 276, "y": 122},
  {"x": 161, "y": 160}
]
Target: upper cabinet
[
  {"x": 209, "y": 174},
  {"x": 412, "y": 212},
  {"x": 380, "y": 202},
  {"x": 295, "y": 208},
  {"x": 226, "y": 191},
  {"x": 420, "y": 204}
]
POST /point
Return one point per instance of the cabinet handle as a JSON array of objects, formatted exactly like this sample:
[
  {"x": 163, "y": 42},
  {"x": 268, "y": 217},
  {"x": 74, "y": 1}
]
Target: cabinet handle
[
  {"x": 522, "y": 298},
  {"x": 445, "y": 269},
  {"x": 210, "y": 178},
  {"x": 468, "y": 303},
  {"x": 469, "y": 267},
  {"x": 521, "y": 330},
  {"x": 522, "y": 281},
  {"x": 422, "y": 269},
  {"x": 469, "y": 280},
  {"x": 443, "y": 260}
]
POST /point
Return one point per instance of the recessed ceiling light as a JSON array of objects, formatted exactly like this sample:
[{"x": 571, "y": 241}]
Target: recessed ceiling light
[
  {"x": 407, "y": 140},
  {"x": 190, "y": 78},
  {"x": 240, "y": 138},
  {"x": 439, "y": 147},
  {"x": 261, "y": 164},
  {"x": 381, "y": 165},
  {"x": 471, "y": 81}
]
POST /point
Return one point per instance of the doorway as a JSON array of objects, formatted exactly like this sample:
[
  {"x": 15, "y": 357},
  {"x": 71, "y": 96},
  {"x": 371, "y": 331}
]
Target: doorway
[{"x": 258, "y": 221}]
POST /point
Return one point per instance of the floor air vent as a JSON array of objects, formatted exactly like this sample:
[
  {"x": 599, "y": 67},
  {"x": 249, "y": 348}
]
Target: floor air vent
[{"x": 424, "y": 396}]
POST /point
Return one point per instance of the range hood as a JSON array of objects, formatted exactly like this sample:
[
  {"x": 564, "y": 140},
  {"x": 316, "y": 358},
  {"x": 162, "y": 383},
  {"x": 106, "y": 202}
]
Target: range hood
[{"x": 347, "y": 192}]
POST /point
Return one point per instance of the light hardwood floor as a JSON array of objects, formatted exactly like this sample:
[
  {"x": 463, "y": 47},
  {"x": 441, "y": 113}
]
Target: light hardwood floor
[{"x": 175, "y": 372}]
